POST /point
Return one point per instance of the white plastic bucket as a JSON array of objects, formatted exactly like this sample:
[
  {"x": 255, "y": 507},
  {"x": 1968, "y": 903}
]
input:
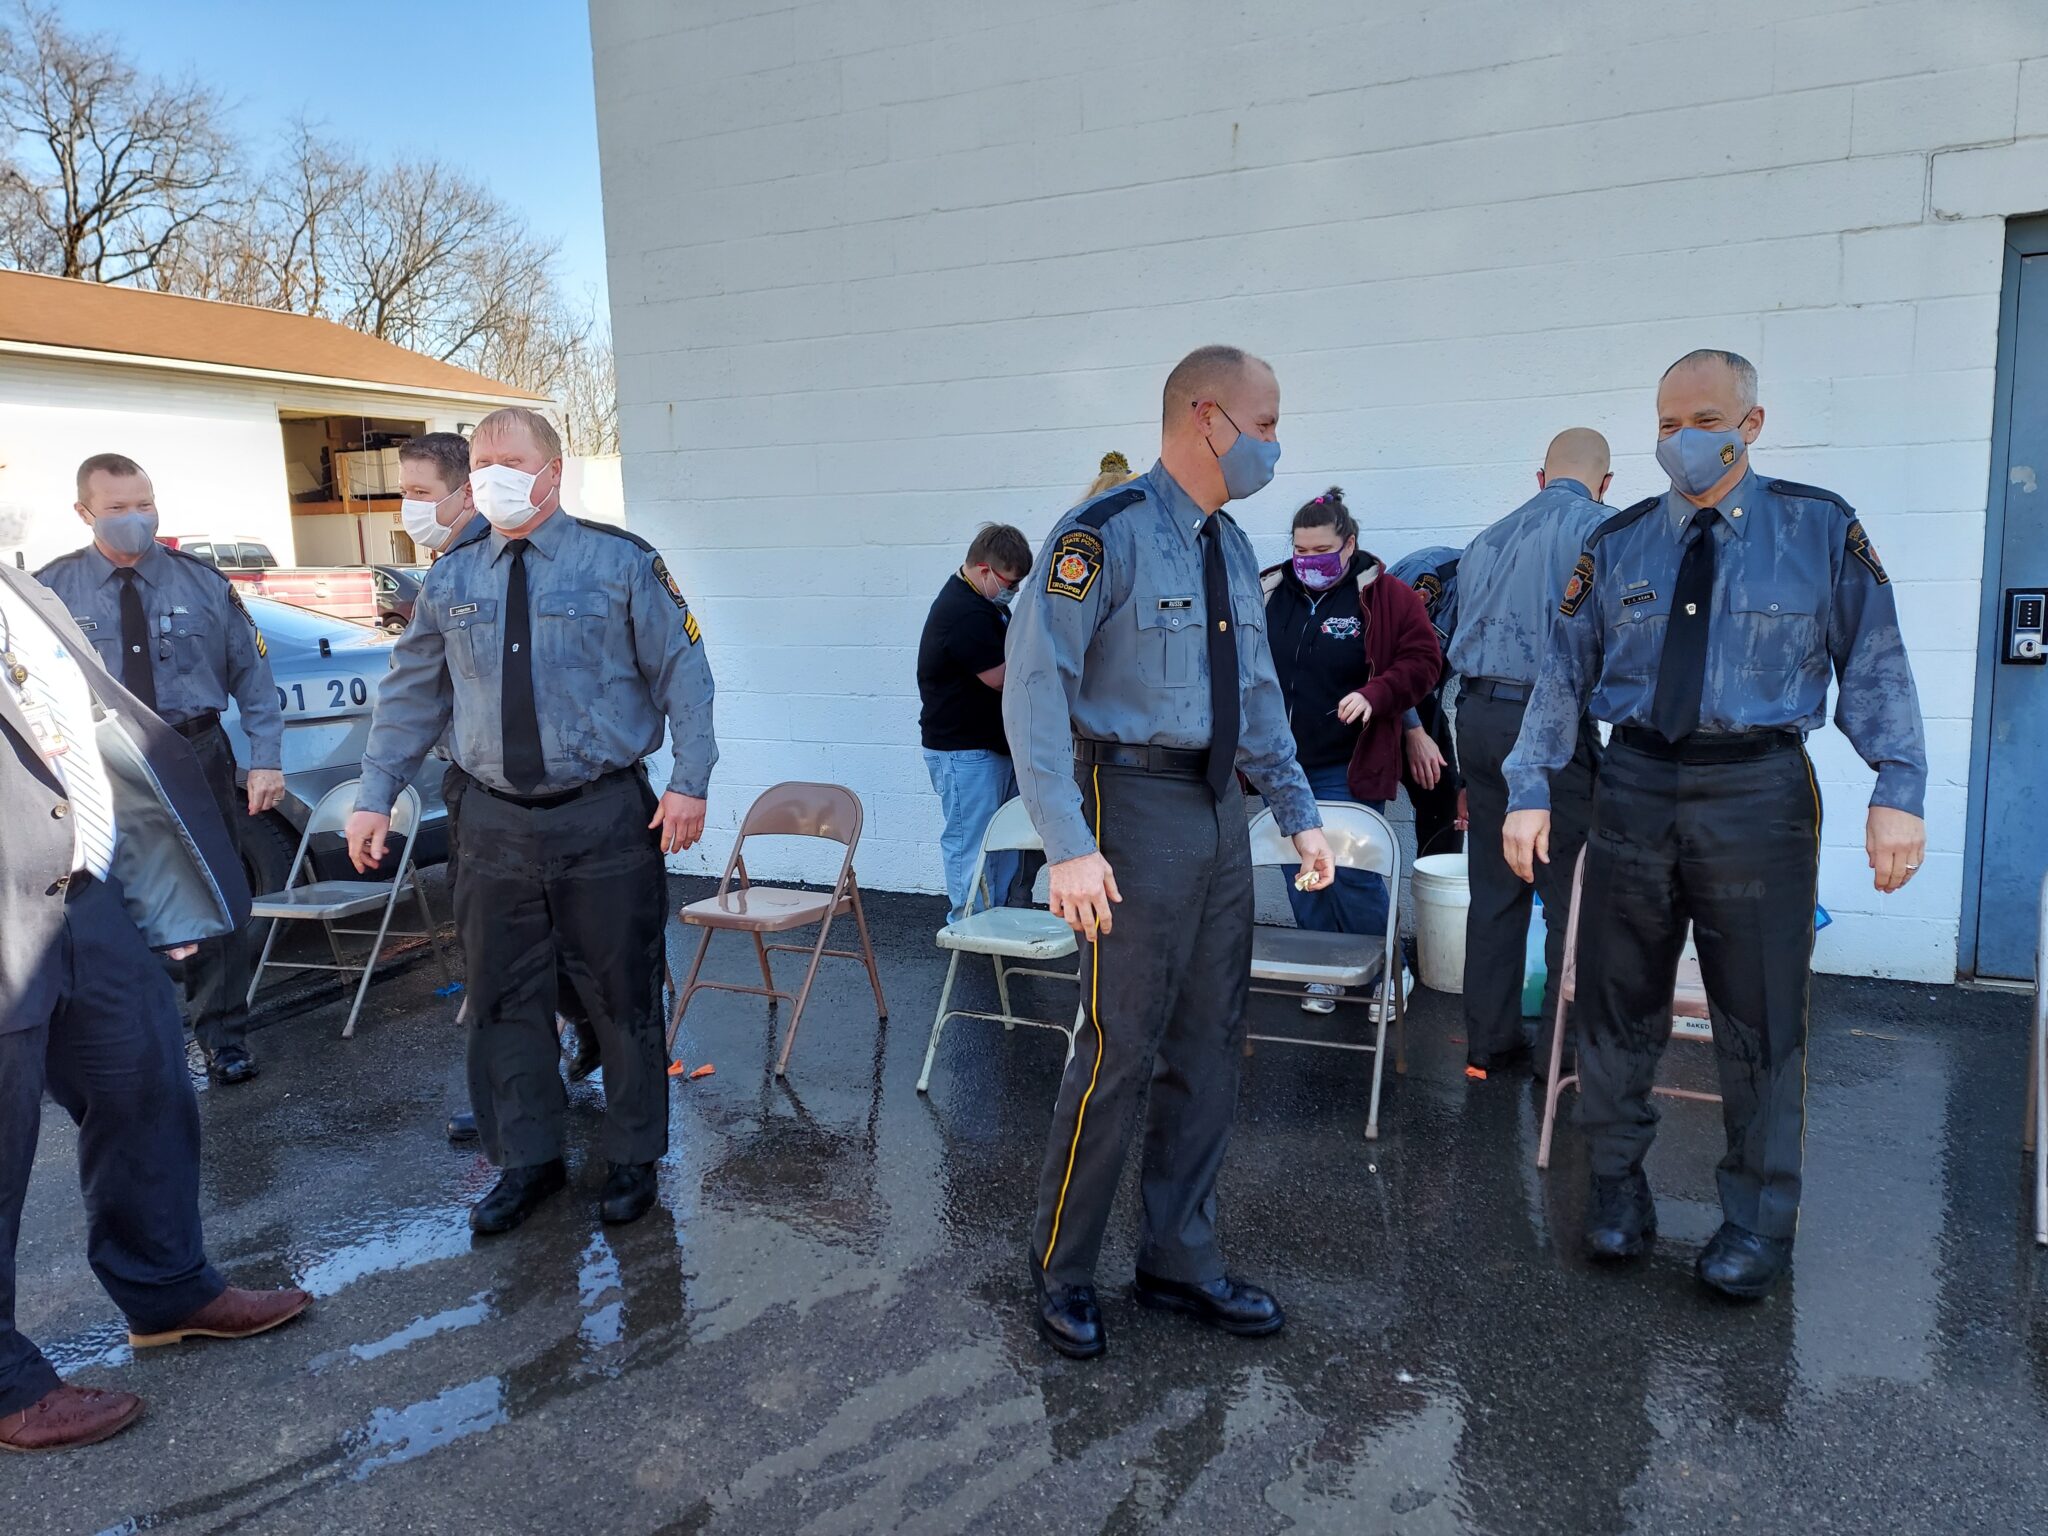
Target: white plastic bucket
[{"x": 1442, "y": 893}]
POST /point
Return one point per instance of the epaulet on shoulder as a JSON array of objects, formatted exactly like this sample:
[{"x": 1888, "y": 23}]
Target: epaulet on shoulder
[
  {"x": 1807, "y": 493},
  {"x": 1107, "y": 505},
  {"x": 615, "y": 531},
  {"x": 205, "y": 565},
  {"x": 62, "y": 559},
  {"x": 1623, "y": 519}
]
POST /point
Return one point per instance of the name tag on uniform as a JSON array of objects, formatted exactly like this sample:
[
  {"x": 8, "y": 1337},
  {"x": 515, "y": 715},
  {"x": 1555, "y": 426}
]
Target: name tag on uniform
[
  {"x": 1175, "y": 604},
  {"x": 88, "y": 625},
  {"x": 1636, "y": 586},
  {"x": 1640, "y": 597},
  {"x": 460, "y": 609}
]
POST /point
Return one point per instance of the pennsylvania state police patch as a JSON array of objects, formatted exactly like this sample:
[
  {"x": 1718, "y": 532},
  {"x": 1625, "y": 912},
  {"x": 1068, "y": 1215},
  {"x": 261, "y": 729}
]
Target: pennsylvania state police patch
[
  {"x": 1074, "y": 564},
  {"x": 235, "y": 597},
  {"x": 669, "y": 582},
  {"x": 1859, "y": 546},
  {"x": 1579, "y": 588}
]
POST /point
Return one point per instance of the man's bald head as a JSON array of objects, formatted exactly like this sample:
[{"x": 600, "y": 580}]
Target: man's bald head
[
  {"x": 1207, "y": 373},
  {"x": 1578, "y": 453}
]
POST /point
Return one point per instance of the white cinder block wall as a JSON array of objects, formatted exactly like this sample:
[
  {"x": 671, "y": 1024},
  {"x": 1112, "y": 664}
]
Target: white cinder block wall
[{"x": 884, "y": 269}]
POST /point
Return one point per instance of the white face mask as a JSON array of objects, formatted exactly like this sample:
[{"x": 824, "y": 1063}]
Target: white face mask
[
  {"x": 423, "y": 523},
  {"x": 504, "y": 495}
]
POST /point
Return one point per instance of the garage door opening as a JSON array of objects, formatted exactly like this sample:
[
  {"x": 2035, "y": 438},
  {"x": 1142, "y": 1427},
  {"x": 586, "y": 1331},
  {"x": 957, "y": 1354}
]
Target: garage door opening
[{"x": 342, "y": 473}]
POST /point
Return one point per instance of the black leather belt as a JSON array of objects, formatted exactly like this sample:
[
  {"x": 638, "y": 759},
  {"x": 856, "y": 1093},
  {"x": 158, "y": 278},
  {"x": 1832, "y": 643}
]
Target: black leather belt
[
  {"x": 1707, "y": 747},
  {"x": 198, "y": 725},
  {"x": 550, "y": 802},
  {"x": 1495, "y": 688},
  {"x": 1172, "y": 762}
]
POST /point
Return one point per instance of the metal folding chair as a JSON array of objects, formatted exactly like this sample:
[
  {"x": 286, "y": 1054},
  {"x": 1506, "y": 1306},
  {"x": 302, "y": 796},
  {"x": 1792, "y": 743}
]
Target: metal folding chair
[
  {"x": 1690, "y": 1020},
  {"x": 2036, "y": 1137},
  {"x": 1002, "y": 933},
  {"x": 827, "y": 811},
  {"x": 326, "y": 901},
  {"x": 1359, "y": 839}
]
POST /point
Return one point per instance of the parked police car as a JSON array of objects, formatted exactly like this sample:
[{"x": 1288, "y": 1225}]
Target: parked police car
[{"x": 327, "y": 671}]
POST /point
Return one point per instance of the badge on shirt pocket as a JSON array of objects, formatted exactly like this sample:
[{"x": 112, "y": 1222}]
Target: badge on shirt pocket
[{"x": 1075, "y": 563}]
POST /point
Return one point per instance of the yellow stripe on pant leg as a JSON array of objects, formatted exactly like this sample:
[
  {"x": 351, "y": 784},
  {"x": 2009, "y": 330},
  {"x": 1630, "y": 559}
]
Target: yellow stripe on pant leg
[{"x": 1095, "y": 1018}]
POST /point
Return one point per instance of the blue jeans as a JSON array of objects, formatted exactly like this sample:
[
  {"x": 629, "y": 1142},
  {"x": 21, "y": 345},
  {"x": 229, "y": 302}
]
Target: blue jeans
[
  {"x": 972, "y": 787},
  {"x": 1357, "y": 903}
]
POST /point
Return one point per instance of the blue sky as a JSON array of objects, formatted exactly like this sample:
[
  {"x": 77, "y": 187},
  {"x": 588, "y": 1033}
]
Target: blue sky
[{"x": 500, "y": 88}]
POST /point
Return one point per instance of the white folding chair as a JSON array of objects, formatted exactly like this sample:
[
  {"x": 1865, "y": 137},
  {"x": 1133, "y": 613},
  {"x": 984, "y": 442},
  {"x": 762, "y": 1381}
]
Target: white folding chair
[
  {"x": 1002, "y": 933},
  {"x": 1359, "y": 839},
  {"x": 326, "y": 901}
]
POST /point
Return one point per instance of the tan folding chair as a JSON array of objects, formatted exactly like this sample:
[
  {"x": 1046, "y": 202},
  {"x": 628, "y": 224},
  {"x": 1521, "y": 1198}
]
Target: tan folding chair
[
  {"x": 1359, "y": 839},
  {"x": 325, "y": 901},
  {"x": 825, "y": 811},
  {"x": 1690, "y": 1020},
  {"x": 2036, "y": 1139},
  {"x": 1002, "y": 933}
]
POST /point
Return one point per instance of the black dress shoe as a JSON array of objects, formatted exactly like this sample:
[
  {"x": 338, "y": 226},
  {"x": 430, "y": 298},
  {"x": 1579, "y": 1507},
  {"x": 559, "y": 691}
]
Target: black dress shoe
[
  {"x": 1224, "y": 1303},
  {"x": 230, "y": 1065},
  {"x": 462, "y": 1127},
  {"x": 1743, "y": 1264},
  {"x": 1621, "y": 1218},
  {"x": 1485, "y": 1064},
  {"x": 628, "y": 1192},
  {"x": 516, "y": 1195},
  {"x": 588, "y": 1057},
  {"x": 1069, "y": 1318}
]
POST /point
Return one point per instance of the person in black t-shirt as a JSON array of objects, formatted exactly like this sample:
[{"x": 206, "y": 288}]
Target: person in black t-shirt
[{"x": 960, "y": 680}]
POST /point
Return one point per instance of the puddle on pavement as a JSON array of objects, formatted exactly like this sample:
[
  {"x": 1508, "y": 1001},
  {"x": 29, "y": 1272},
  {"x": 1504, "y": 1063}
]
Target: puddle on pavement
[{"x": 469, "y": 1315}]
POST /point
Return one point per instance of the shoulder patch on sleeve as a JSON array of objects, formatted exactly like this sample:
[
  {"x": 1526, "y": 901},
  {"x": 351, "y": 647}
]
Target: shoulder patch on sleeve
[
  {"x": 1430, "y": 587},
  {"x": 1807, "y": 493},
  {"x": 235, "y": 597},
  {"x": 1075, "y": 562},
  {"x": 1103, "y": 508},
  {"x": 1580, "y": 587},
  {"x": 1860, "y": 546},
  {"x": 668, "y": 583}
]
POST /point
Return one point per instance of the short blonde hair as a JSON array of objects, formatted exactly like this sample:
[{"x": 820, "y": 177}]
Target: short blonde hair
[
  {"x": 1115, "y": 470},
  {"x": 531, "y": 422}
]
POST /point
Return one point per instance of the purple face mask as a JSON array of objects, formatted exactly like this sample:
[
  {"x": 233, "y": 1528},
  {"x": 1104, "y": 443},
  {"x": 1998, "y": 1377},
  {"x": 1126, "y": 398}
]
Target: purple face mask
[{"x": 1320, "y": 572}]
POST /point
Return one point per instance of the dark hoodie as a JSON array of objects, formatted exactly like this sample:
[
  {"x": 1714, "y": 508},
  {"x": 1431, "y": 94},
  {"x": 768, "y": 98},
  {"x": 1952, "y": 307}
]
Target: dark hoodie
[{"x": 1364, "y": 635}]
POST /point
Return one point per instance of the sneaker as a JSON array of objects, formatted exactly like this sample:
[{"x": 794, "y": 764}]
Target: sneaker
[
  {"x": 1320, "y": 997},
  {"x": 1382, "y": 1007}
]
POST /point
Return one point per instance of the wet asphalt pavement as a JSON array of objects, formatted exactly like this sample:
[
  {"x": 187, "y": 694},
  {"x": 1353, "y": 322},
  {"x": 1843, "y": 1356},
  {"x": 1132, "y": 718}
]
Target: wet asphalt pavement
[{"x": 826, "y": 1325}]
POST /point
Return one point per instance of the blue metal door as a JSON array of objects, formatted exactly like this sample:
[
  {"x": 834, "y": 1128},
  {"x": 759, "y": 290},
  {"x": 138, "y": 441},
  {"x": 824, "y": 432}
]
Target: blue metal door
[{"x": 2009, "y": 831}]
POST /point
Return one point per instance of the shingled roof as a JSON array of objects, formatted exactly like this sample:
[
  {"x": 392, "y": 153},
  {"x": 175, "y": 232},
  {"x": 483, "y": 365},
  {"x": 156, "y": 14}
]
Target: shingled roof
[{"x": 67, "y": 313}]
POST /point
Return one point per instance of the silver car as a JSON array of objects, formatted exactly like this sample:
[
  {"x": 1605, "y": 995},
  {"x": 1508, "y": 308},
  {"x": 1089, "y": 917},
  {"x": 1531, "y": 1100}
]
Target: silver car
[{"x": 327, "y": 671}]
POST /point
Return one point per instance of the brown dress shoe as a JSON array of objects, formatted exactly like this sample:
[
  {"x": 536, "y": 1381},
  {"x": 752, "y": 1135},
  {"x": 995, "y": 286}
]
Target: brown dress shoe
[
  {"x": 66, "y": 1416},
  {"x": 233, "y": 1314}
]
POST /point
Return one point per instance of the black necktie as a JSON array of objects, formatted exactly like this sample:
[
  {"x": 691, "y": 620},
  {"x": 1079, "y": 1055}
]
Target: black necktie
[
  {"x": 138, "y": 673},
  {"x": 1223, "y": 696},
  {"x": 1682, "y": 670},
  {"x": 524, "y": 765}
]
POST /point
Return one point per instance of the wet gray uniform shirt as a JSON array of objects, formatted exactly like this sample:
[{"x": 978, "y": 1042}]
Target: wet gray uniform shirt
[
  {"x": 1512, "y": 579},
  {"x": 616, "y": 651},
  {"x": 1110, "y": 645},
  {"x": 205, "y": 648},
  {"x": 1798, "y": 594}
]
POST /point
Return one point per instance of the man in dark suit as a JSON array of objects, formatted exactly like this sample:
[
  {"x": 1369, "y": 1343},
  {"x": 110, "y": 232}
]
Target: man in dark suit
[{"x": 87, "y": 1013}]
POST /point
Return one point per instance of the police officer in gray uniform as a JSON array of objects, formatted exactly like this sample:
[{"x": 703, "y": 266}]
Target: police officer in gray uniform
[
  {"x": 173, "y": 629},
  {"x": 1511, "y": 581},
  {"x": 1138, "y": 682},
  {"x": 1704, "y": 624},
  {"x": 556, "y": 648}
]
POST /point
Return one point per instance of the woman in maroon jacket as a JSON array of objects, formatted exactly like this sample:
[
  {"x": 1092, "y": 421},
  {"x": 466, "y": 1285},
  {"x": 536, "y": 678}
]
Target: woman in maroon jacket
[{"x": 1354, "y": 650}]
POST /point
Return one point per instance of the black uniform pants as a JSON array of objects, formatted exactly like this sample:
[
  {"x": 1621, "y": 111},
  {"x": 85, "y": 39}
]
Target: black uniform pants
[
  {"x": 1435, "y": 808},
  {"x": 583, "y": 882},
  {"x": 455, "y": 784},
  {"x": 1734, "y": 846},
  {"x": 111, "y": 1052},
  {"x": 1497, "y": 921},
  {"x": 1163, "y": 999},
  {"x": 217, "y": 977}
]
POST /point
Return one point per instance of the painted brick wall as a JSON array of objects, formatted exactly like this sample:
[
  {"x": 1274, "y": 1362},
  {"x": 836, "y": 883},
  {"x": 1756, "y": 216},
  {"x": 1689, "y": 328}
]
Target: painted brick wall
[{"x": 884, "y": 269}]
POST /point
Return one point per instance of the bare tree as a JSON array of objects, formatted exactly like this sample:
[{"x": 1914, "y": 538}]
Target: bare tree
[{"x": 109, "y": 169}]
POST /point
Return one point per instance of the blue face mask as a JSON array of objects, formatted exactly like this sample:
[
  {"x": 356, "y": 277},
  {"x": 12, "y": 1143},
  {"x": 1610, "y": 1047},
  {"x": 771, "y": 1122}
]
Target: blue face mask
[
  {"x": 1696, "y": 459},
  {"x": 1247, "y": 464}
]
